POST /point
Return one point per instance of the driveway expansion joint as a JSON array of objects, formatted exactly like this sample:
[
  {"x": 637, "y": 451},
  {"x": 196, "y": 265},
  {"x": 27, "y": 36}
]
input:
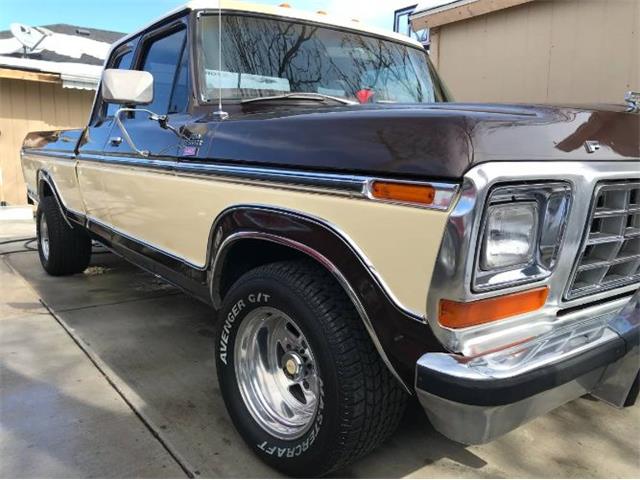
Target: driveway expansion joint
[{"x": 104, "y": 371}]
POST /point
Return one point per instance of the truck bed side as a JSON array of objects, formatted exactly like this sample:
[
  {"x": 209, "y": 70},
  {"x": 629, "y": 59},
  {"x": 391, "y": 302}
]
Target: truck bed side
[{"x": 53, "y": 153}]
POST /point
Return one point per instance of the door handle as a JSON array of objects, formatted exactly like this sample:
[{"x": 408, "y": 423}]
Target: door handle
[{"x": 115, "y": 141}]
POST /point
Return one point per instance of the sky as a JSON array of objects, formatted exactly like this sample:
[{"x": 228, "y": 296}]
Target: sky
[{"x": 129, "y": 15}]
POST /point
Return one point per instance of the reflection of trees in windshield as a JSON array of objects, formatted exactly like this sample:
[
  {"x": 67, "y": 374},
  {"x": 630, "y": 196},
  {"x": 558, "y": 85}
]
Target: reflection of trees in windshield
[
  {"x": 316, "y": 59},
  {"x": 271, "y": 49},
  {"x": 384, "y": 67}
]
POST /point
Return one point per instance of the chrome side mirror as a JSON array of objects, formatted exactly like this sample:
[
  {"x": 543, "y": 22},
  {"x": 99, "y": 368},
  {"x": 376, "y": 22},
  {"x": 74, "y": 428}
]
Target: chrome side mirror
[{"x": 132, "y": 87}]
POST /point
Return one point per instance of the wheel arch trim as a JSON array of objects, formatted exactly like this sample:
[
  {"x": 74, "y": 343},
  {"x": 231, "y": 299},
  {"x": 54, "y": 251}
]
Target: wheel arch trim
[
  {"x": 214, "y": 246},
  {"x": 304, "y": 234},
  {"x": 326, "y": 263},
  {"x": 44, "y": 177}
]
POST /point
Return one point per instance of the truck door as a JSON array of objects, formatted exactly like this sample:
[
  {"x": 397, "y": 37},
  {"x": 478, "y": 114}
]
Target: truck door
[
  {"x": 140, "y": 190},
  {"x": 91, "y": 146}
]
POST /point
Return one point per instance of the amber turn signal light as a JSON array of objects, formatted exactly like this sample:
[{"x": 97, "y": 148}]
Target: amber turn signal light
[
  {"x": 468, "y": 314},
  {"x": 403, "y": 192}
]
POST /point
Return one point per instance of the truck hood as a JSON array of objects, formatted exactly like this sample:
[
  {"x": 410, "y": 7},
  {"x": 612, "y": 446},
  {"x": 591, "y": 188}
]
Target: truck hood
[{"x": 440, "y": 141}]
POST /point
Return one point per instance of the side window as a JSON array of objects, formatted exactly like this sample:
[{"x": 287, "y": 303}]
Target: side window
[
  {"x": 123, "y": 62},
  {"x": 180, "y": 95},
  {"x": 163, "y": 59}
]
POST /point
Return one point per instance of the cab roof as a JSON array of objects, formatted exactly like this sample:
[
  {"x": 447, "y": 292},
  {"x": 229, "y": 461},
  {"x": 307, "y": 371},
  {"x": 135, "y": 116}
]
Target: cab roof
[{"x": 283, "y": 10}]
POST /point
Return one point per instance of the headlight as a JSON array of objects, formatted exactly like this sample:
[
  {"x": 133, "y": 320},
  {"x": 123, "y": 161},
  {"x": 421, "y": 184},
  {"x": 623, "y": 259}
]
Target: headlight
[
  {"x": 509, "y": 235},
  {"x": 522, "y": 230}
]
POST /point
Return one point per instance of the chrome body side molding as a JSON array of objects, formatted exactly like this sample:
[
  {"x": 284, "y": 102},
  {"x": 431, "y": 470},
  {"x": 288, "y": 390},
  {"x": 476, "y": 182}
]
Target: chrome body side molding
[
  {"x": 346, "y": 185},
  {"x": 60, "y": 155},
  {"x": 349, "y": 186},
  {"x": 355, "y": 186}
]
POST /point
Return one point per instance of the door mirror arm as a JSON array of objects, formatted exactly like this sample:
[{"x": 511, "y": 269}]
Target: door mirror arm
[
  {"x": 125, "y": 133},
  {"x": 163, "y": 121}
]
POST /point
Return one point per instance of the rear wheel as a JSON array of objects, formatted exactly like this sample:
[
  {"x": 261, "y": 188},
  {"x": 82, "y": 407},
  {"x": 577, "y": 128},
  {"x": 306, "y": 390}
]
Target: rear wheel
[
  {"x": 63, "y": 250},
  {"x": 300, "y": 377}
]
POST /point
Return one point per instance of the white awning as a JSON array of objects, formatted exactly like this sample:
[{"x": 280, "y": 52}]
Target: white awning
[{"x": 72, "y": 75}]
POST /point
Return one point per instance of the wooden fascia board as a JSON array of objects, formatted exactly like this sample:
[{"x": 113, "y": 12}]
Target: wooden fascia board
[
  {"x": 29, "y": 75},
  {"x": 455, "y": 13}
]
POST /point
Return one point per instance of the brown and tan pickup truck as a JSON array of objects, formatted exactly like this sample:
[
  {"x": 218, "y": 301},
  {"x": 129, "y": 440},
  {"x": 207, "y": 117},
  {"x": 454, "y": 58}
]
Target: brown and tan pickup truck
[{"x": 363, "y": 239}]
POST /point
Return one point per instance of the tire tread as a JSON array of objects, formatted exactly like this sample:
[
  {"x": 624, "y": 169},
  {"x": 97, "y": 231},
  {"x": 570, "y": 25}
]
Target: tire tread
[
  {"x": 373, "y": 400},
  {"x": 69, "y": 249}
]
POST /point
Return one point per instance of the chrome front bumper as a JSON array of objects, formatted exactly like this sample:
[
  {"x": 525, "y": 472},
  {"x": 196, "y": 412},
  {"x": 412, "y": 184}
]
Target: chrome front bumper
[{"x": 474, "y": 400}]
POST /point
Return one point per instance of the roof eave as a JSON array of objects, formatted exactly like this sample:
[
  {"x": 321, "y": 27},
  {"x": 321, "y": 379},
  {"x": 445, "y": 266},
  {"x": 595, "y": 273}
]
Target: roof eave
[
  {"x": 71, "y": 75},
  {"x": 458, "y": 10}
]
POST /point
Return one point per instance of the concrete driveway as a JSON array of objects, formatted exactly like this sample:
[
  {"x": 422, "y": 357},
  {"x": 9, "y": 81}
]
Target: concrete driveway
[{"x": 112, "y": 375}]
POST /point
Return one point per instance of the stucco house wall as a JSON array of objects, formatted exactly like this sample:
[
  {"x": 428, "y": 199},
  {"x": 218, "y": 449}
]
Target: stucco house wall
[
  {"x": 28, "y": 105},
  {"x": 557, "y": 51}
]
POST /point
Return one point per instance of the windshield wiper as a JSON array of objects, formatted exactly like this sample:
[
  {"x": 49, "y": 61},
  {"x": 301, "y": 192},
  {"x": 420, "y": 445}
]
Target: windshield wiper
[{"x": 320, "y": 97}]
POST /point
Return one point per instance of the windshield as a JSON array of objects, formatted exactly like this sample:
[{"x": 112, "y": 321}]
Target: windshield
[{"x": 268, "y": 57}]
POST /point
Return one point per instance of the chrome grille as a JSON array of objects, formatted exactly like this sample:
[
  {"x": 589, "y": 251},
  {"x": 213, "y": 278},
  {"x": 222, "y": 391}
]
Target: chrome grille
[{"x": 610, "y": 253}]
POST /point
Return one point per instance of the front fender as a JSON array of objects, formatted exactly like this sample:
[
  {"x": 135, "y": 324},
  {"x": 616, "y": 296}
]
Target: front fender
[{"x": 399, "y": 337}]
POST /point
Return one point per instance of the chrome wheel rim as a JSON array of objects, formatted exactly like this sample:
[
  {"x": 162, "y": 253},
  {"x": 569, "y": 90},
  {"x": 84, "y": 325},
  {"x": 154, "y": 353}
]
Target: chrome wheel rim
[
  {"x": 44, "y": 237},
  {"x": 276, "y": 373}
]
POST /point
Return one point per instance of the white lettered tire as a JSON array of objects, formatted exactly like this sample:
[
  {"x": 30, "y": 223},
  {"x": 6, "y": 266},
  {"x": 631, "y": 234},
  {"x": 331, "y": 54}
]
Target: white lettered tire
[{"x": 300, "y": 377}]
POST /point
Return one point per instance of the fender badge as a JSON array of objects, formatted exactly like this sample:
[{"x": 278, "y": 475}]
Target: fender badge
[
  {"x": 592, "y": 146},
  {"x": 191, "y": 144},
  {"x": 189, "y": 151}
]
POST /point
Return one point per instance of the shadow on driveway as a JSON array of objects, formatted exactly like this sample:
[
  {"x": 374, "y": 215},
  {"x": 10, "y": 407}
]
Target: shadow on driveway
[{"x": 156, "y": 344}]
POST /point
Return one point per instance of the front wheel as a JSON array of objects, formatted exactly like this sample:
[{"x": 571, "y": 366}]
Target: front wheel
[
  {"x": 300, "y": 377},
  {"x": 63, "y": 250}
]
